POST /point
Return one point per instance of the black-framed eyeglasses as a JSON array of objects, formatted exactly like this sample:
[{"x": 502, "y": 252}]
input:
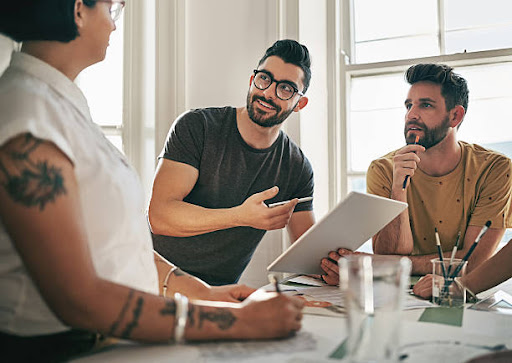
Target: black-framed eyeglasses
[
  {"x": 116, "y": 8},
  {"x": 284, "y": 89}
]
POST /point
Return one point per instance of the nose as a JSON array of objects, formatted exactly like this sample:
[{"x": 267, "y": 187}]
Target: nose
[
  {"x": 412, "y": 113},
  {"x": 270, "y": 92}
]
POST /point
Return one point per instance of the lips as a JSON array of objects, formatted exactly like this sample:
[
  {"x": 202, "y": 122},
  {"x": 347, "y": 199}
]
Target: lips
[{"x": 265, "y": 104}]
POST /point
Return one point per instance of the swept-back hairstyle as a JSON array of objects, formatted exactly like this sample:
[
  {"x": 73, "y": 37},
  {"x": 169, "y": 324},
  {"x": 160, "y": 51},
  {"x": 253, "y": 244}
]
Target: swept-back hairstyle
[
  {"x": 454, "y": 88},
  {"x": 290, "y": 51},
  {"x": 24, "y": 20}
]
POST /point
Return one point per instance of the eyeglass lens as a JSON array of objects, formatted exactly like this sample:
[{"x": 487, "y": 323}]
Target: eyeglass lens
[{"x": 283, "y": 90}]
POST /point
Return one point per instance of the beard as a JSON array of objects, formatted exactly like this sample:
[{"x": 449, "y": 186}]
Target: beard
[
  {"x": 431, "y": 137},
  {"x": 259, "y": 117}
]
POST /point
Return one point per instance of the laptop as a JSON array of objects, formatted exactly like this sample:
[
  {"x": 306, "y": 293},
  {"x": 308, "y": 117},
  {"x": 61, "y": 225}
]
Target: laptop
[{"x": 350, "y": 224}]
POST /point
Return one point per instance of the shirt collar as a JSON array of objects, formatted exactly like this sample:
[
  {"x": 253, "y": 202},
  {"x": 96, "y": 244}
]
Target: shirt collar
[{"x": 53, "y": 77}]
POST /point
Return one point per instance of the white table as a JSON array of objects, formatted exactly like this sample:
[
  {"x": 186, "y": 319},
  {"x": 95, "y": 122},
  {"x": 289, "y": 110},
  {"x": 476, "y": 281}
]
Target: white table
[{"x": 319, "y": 337}]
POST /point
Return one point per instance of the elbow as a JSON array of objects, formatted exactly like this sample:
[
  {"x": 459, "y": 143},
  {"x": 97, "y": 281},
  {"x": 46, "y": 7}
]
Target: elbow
[
  {"x": 77, "y": 308},
  {"x": 156, "y": 225}
]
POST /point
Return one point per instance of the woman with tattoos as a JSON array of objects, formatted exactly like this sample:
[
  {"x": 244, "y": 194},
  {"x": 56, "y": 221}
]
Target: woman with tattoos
[{"x": 76, "y": 259}]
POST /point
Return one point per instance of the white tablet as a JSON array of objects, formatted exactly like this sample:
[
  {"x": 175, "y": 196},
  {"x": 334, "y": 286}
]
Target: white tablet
[{"x": 351, "y": 223}]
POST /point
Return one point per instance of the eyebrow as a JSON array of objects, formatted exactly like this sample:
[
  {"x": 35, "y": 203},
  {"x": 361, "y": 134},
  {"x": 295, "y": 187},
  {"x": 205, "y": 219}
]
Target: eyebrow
[
  {"x": 279, "y": 81},
  {"x": 427, "y": 99}
]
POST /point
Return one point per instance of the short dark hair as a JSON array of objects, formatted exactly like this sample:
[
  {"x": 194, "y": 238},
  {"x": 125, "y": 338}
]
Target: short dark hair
[
  {"x": 25, "y": 20},
  {"x": 454, "y": 88},
  {"x": 290, "y": 51}
]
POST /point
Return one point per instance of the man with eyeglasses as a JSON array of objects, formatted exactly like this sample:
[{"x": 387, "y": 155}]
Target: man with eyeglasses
[{"x": 221, "y": 167}]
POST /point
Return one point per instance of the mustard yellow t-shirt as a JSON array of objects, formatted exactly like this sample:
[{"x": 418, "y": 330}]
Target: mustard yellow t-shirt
[{"x": 477, "y": 190}]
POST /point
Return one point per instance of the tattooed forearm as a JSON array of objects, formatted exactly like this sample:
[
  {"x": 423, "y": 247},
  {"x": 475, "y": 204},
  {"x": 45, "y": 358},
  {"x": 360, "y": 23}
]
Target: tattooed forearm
[
  {"x": 120, "y": 318},
  {"x": 135, "y": 321},
  {"x": 30, "y": 182},
  {"x": 223, "y": 317},
  {"x": 191, "y": 313},
  {"x": 169, "y": 308}
]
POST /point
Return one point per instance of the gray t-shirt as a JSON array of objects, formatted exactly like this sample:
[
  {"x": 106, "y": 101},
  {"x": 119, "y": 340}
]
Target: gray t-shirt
[{"x": 230, "y": 171}]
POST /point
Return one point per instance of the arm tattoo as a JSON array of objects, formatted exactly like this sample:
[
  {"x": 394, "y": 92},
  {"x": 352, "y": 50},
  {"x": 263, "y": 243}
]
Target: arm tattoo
[
  {"x": 169, "y": 308},
  {"x": 135, "y": 321},
  {"x": 191, "y": 313},
  {"x": 114, "y": 326},
  {"x": 31, "y": 183},
  {"x": 223, "y": 317},
  {"x": 179, "y": 272}
]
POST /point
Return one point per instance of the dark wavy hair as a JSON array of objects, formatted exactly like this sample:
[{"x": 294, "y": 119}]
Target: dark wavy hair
[
  {"x": 294, "y": 53},
  {"x": 454, "y": 88},
  {"x": 24, "y": 20}
]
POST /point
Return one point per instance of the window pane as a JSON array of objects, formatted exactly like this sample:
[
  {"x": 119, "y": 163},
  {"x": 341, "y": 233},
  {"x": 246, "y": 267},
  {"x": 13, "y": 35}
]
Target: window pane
[
  {"x": 398, "y": 48},
  {"x": 473, "y": 27},
  {"x": 479, "y": 39},
  {"x": 488, "y": 119},
  {"x": 385, "y": 30},
  {"x": 102, "y": 83},
  {"x": 463, "y": 14},
  {"x": 390, "y": 19},
  {"x": 376, "y": 121},
  {"x": 357, "y": 184}
]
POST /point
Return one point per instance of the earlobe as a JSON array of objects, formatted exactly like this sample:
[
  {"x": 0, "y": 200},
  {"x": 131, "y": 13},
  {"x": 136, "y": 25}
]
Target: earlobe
[{"x": 458, "y": 115}]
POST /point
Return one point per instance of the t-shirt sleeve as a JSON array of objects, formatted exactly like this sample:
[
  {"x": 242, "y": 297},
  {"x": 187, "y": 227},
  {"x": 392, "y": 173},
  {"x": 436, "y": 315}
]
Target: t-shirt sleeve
[
  {"x": 379, "y": 178},
  {"x": 305, "y": 188},
  {"x": 495, "y": 197},
  {"x": 185, "y": 140},
  {"x": 45, "y": 120}
]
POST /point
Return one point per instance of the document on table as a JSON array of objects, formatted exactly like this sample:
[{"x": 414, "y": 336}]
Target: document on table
[{"x": 333, "y": 295}]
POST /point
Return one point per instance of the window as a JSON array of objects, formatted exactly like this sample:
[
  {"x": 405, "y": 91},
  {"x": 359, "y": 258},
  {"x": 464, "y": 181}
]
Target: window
[
  {"x": 385, "y": 38},
  {"x": 388, "y": 37},
  {"x": 102, "y": 85}
]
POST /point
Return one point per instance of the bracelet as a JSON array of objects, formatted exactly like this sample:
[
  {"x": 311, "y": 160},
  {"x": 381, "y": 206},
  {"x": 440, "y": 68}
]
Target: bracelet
[
  {"x": 180, "y": 320},
  {"x": 472, "y": 296},
  {"x": 164, "y": 286}
]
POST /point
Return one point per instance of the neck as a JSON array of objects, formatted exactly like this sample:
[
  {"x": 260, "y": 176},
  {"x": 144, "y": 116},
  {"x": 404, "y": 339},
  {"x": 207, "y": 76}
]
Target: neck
[
  {"x": 254, "y": 135},
  {"x": 63, "y": 56},
  {"x": 442, "y": 158}
]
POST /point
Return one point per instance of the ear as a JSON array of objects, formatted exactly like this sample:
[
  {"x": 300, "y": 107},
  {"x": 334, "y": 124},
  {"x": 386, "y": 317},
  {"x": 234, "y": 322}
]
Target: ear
[
  {"x": 79, "y": 13},
  {"x": 301, "y": 104},
  {"x": 250, "y": 80},
  {"x": 457, "y": 115}
]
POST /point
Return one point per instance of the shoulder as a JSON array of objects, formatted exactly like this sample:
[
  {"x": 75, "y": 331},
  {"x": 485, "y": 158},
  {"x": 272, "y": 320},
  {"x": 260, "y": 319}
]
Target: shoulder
[
  {"x": 29, "y": 105},
  {"x": 482, "y": 157},
  {"x": 384, "y": 163},
  {"x": 204, "y": 117}
]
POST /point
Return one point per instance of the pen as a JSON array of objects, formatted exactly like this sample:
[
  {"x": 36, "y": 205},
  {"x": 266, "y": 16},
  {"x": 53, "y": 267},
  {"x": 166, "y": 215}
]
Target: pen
[
  {"x": 440, "y": 252},
  {"x": 301, "y": 200},
  {"x": 454, "y": 251},
  {"x": 465, "y": 258},
  {"x": 273, "y": 280},
  {"x": 407, "y": 176}
]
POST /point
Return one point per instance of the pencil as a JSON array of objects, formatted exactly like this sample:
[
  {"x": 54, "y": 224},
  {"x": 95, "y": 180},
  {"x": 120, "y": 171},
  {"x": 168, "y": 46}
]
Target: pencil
[
  {"x": 407, "y": 176},
  {"x": 273, "y": 280},
  {"x": 440, "y": 252},
  {"x": 466, "y": 257}
]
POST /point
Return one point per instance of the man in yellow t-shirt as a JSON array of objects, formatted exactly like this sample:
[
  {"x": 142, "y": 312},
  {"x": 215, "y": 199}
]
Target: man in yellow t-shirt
[{"x": 451, "y": 185}]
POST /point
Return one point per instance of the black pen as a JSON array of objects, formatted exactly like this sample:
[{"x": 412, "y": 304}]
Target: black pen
[
  {"x": 465, "y": 258},
  {"x": 407, "y": 176}
]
